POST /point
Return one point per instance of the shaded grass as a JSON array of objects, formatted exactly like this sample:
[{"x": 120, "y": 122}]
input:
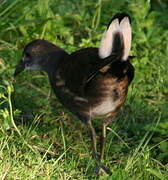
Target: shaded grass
[{"x": 45, "y": 141}]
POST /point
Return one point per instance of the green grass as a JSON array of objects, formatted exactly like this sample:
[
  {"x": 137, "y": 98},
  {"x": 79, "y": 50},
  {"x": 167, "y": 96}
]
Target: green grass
[{"x": 39, "y": 139}]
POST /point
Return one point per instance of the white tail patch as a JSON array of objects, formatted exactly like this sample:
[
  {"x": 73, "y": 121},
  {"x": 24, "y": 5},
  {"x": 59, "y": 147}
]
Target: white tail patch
[
  {"x": 107, "y": 42},
  {"x": 125, "y": 28}
]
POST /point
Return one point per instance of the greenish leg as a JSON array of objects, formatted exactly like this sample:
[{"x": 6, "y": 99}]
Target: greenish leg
[
  {"x": 100, "y": 167},
  {"x": 103, "y": 141}
]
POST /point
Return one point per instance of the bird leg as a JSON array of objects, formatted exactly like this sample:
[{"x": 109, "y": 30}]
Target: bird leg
[
  {"x": 100, "y": 167},
  {"x": 103, "y": 141},
  {"x": 94, "y": 141}
]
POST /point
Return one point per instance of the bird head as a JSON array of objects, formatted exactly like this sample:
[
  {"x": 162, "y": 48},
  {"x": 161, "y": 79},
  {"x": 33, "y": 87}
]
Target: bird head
[{"x": 39, "y": 55}]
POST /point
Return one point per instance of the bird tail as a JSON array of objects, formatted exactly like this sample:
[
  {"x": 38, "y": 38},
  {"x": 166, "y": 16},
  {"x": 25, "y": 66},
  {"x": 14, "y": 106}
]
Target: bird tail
[{"x": 117, "y": 38}]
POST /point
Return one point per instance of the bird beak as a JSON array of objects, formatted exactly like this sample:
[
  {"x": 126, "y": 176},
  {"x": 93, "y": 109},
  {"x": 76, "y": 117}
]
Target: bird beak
[{"x": 19, "y": 68}]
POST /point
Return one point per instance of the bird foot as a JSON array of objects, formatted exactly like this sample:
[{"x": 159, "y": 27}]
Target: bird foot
[{"x": 100, "y": 169}]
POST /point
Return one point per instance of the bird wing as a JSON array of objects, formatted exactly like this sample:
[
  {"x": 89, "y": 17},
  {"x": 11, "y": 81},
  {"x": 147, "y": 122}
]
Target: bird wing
[{"x": 80, "y": 67}]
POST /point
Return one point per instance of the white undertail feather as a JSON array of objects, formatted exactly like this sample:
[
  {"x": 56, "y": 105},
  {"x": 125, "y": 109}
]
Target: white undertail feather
[
  {"x": 124, "y": 29},
  {"x": 108, "y": 37}
]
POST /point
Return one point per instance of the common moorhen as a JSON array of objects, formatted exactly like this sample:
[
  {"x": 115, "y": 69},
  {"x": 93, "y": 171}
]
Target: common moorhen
[{"x": 91, "y": 82}]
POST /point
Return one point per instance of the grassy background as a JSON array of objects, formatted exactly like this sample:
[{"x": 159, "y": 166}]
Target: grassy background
[{"x": 39, "y": 139}]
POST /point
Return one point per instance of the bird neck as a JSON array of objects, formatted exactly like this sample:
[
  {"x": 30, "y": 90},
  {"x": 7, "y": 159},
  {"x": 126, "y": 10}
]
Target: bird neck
[{"x": 53, "y": 62}]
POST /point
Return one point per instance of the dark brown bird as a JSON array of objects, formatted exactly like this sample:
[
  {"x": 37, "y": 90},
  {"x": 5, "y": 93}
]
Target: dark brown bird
[{"x": 91, "y": 82}]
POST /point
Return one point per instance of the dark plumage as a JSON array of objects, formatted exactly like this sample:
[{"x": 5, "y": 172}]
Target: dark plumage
[{"x": 90, "y": 82}]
